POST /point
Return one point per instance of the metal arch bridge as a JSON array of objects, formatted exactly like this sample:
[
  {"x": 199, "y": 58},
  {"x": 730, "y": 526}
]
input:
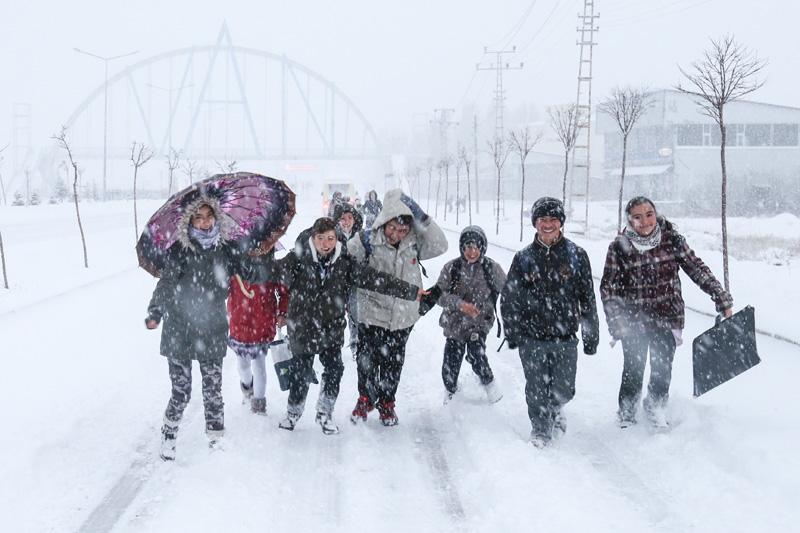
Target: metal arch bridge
[{"x": 223, "y": 102}]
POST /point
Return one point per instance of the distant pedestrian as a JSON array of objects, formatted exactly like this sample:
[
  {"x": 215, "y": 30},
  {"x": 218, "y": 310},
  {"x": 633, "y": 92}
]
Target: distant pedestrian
[
  {"x": 641, "y": 294},
  {"x": 371, "y": 208},
  {"x": 548, "y": 295},
  {"x": 348, "y": 223}
]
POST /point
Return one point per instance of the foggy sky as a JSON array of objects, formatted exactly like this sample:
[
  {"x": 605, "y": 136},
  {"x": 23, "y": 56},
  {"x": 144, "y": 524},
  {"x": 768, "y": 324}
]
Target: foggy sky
[{"x": 395, "y": 60}]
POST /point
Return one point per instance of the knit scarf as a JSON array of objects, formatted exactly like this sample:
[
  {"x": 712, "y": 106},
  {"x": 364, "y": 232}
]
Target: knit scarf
[
  {"x": 644, "y": 242},
  {"x": 206, "y": 238}
]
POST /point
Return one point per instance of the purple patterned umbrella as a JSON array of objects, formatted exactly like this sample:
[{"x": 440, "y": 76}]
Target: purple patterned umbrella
[{"x": 260, "y": 208}]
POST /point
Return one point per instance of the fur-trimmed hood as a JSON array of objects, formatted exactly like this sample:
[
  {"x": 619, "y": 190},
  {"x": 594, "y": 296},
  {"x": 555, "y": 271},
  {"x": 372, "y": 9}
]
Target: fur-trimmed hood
[{"x": 225, "y": 222}]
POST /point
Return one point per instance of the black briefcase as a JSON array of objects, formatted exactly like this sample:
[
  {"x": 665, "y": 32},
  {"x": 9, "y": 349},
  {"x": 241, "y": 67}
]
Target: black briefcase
[{"x": 724, "y": 351}]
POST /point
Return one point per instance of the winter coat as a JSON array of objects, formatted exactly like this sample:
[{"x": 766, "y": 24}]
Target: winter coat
[
  {"x": 319, "y": 291},
  {"x": 471, "y": 286},
  {"x": 190, "y": 297},
  {"x": 371, "y": 208},
  {"x": 549, "y": 293},
  {"x": 253, "y": 309},
  {"x": 358, "y": 222},
  {"x": 424, "y": 241},
  {"x": 638, "y": 287}
]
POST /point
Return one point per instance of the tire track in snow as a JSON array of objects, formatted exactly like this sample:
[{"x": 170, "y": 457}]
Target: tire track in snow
[{"x": 427, "y": 440}]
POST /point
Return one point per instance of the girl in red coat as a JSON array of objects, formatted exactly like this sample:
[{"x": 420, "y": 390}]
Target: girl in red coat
[{"x": 255, "y": 311}]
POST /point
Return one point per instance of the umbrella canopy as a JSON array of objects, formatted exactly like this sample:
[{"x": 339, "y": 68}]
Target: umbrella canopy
[
  {"x": 724, "y": 351},
  {"x": 258, "y": 208}
]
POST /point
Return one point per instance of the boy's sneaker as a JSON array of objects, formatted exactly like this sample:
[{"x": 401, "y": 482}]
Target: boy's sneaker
[
  {"x": 656, "y": 414},
  {"x": 289, "y": 422},
  {"x": 361, "y": 410},
  {"x": 167, "y": 452},
  {"x": 559, "y": 424},
  {"x": 258, "y": 406},
  {"x": 493, "y": 393},
  {"x": 626, "y": 419},
  {"x": 326, "y": 423},
  {"x": 215, "y": 438},
  {"x": 540, "y": 441},
  {"x": 387, "y": 415},
  {"x": 247, "y": 392}
]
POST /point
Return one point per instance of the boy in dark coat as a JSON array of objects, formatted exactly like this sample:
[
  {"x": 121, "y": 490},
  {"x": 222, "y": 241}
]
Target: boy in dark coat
[
  {"x": 349, "y": 223},
  {"x": 319, "y": 276},
  {"x": 469, "y": 288},
  {"x": 190, "y": 298},
  {"x": 549, "y": 293}
]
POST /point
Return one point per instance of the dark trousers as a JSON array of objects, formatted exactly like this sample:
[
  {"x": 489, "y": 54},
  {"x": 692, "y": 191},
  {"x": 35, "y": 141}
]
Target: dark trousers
[
  {"x": 550, "y": 368},
  {"x": 661, "y": 344},
  {"x": 381, "y": 354},
  {"x": 476, "y": 356},
  {"x": 180, "y": 374},
  {"x": 301, "y": 374}
]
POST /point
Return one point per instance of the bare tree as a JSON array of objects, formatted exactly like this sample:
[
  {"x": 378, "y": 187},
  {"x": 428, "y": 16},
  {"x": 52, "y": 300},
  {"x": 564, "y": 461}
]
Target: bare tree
[
  {"x": 2, "y": 185},
  {"x": 522, "y": 143},
  {"x": 463, "y": 160},
  {"x": 625, "y": 105},
  {"x": 439, "y": 166},
  {"x": 429, "y": 164},
  {"x": 447, "y": 162},
  {"x": 3, "y": 260},
  {"x": 226, "y": 167},
  {"x": 173, "y": 160},
  {"x": 727, "y": 72},
  {"x": 61, "y": 138},
  {"x": 499, "y": 150},
  {"x": 565, "y": 121},
  {"x": 190, "y": 168},
  {"x": 140, "y": 154}
]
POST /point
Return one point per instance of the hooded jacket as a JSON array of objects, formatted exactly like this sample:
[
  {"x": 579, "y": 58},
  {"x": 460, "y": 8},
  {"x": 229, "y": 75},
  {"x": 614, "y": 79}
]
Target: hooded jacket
[
  {"x": 319, "y": 289},
  {"x": 358, "y": 222},
  {"x": 549, "y": 294},
  {"x": 425, "y": 240},
  {"x": 190, "y": 295},
  {"x": 471, "y": 287}
]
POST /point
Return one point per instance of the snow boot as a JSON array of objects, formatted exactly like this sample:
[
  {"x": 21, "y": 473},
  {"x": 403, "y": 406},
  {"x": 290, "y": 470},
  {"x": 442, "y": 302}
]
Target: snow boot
[
  {"x": 215, "y": 438},
  {"x": 258, "y": 406},
  {"x": 361, "y": 410},
  {"x": 289, "y": 422},
  {"x": 559, "y": 424},
  {"x": 247, "y": 392},
  {"x": 493, "y": 393},
  {"x": 387, "y": 415},
  {"x": 626, "y": 419},
  {"x": 327, "y": 424},
  {"x": 167, "y": 452},
  {"x": 656, "y": 414},
  {"x": 540, "y": 441}
]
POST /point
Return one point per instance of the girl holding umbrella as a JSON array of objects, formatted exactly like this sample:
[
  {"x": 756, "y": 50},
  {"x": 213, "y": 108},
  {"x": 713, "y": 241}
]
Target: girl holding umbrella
[{"x": 641, "y": 294}]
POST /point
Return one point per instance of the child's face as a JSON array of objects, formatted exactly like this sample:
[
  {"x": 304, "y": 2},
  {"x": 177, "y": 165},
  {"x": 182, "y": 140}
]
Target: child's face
[
  {"x": 325, "y": 243},
  {"x": 472, "y": 253},
  {"x": 346, "y": 222},
  {"x": 204, "y": 218}
]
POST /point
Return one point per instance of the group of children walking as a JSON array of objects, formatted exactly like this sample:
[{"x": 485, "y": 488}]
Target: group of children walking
[{"x": 338, "y": 272}]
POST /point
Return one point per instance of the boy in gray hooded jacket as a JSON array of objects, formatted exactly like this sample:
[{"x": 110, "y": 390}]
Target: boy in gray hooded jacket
[{"x": 469, "y": 285}]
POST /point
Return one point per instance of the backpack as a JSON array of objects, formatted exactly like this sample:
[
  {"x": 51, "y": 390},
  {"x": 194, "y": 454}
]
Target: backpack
[
  {"x": 364, "y": 236},
  {"x": 455, "y": 275}
]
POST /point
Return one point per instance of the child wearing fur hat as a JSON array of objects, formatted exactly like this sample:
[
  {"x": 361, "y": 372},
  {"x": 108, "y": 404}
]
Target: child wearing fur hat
[{"x": 469, "y": 288}]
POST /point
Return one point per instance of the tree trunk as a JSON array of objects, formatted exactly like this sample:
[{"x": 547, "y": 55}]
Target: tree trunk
[
  {"x": 169, "y": 186},
  {"x": 522, "y": 202},
  {"x": 458, "y": 191},
  {"x": 438, "y": 190},
  {"x": 3, "y": 190},
  {"x": 724, "y": 202},
  {"x": 428, "y": 200},
  {"x": 469, "y": 197},
  {"x": 3, "y": 260},
  {"x": 78, "y": 214},
  {"x": 446, "y": 190},
  {"x": 564, "y": 184},
  {"x": 135, "y": 211},
  {"x": 621, "y": 182},
  {"x": 497, "y": 212}
]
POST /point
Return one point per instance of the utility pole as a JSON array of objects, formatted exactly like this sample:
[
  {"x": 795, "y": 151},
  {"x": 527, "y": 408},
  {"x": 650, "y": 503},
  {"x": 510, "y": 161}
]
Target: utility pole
[
  {"x": 105, "y": 61},
  {"x": 499, "y": 93},
  {"x": 475, "y": 138},
  {"x": 581, "y": 153}
]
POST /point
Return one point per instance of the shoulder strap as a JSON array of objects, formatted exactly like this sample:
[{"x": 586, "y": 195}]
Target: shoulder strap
[
  {"x": 455, "y": 275},
  {"x": 487, "y": 274}
]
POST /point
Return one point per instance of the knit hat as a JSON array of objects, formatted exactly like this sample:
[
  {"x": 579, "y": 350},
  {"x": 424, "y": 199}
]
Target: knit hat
[
  {"x": 548, "y": 207},
  {"x": 472, "y": 235}
]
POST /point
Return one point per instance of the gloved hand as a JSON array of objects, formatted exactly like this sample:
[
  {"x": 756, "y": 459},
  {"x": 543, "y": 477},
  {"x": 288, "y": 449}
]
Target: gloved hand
[
  {"x": 151, "y": 322},
  {"x": 512, "y": 345},
  {"x": 590, "y": 349},
  {"x": 416, "y": 211}
]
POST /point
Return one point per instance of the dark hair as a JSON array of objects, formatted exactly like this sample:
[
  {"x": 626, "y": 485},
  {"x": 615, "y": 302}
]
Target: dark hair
[
  {"x": 403, "y": 220},
  {"x": 323, "y": 225},
  {"x": 637, "y": 201},
  {"x": 201, "y": 206}
]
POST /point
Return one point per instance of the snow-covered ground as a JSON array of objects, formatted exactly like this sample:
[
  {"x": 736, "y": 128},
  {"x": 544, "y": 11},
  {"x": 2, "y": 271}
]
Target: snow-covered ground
[{"x": 85, "y": 390}]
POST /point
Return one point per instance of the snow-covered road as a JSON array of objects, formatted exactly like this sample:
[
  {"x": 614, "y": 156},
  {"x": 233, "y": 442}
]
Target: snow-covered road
[{"x": 85, "y": 388}]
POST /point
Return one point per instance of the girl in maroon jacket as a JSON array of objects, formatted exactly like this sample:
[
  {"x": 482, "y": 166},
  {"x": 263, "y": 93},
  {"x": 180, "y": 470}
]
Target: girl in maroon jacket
[
  {"x": 641, "y": 294},
  {"x": 254, "y": 310}
]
